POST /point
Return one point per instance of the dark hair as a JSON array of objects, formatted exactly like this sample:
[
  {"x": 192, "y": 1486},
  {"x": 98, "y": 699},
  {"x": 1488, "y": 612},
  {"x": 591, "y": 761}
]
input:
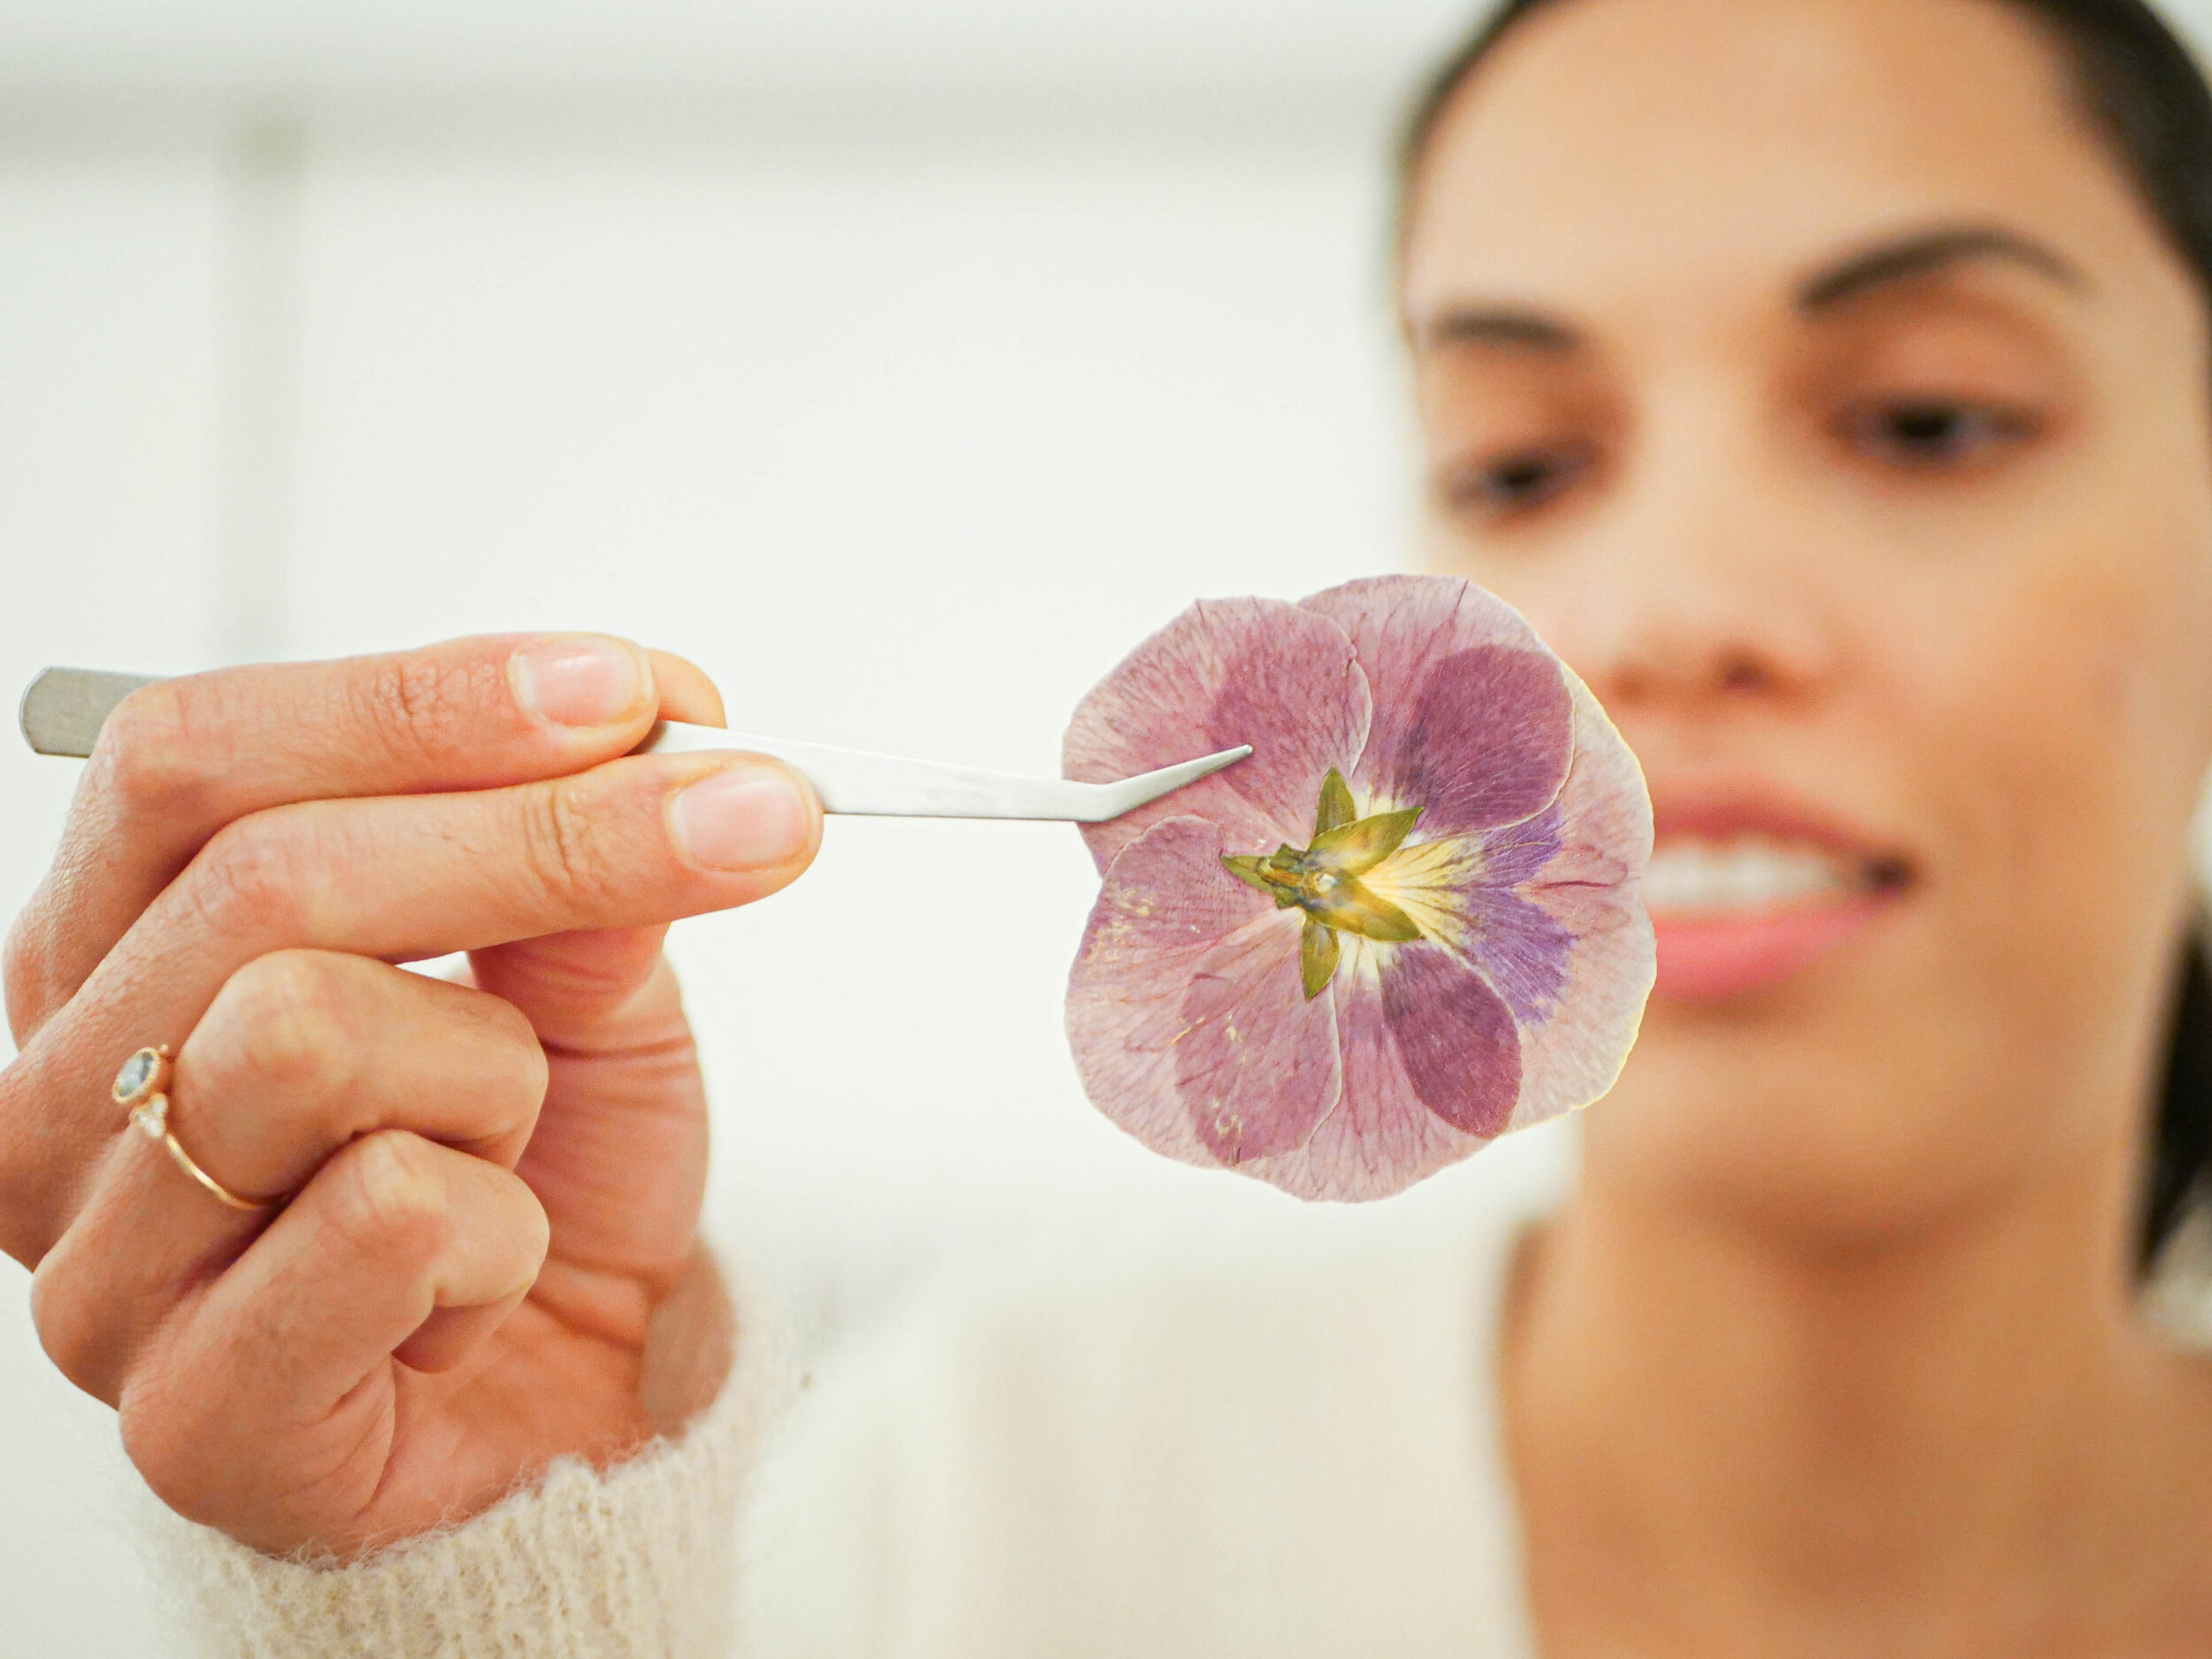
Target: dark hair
[{"x": 2147, "y": 100}]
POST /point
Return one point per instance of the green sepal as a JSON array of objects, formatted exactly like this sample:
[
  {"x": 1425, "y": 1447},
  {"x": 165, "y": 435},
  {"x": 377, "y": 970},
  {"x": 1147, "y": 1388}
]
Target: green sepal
[
  {"x": 1354, "y": 909},
  {"x": 1337, "y": 807},
  {"x": 1318, "y": 954},
  {"x": 1353, "y": 849},
  {"x": 1252, "y": 869},
  {"x": 1245, "y": 868}
]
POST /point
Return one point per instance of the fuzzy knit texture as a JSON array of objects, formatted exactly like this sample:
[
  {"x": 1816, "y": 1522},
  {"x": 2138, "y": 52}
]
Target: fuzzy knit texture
[
  {"x": 1269, "y": 1439},
  {"x": 634, "y": 1562}
]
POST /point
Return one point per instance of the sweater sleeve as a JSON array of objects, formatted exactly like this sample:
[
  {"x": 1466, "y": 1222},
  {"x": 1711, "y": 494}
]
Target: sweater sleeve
[{"x": 636, "y": 1560}]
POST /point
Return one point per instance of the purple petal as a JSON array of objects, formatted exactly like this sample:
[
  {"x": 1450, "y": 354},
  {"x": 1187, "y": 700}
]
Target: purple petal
[
  {"x": 1489, "y": 742},
  {"x": 1591, "y": 887},
  {"x": 1473, "y": 722},
  {"x": 1258, "y": 1062},
  {"x": 1518, "y": 852},
  {"x": 1456, "y": 1037},
  {"x": 1276, "y": 676},
  {"x": 1382, "y": 1137},
  {"x": 1166, "y": 902},
  {"x": 1521, "y": 948}
]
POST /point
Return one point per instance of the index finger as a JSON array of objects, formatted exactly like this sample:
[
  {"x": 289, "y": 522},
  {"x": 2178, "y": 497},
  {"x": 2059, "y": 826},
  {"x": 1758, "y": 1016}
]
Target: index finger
[{"x": 181, "y": 758}]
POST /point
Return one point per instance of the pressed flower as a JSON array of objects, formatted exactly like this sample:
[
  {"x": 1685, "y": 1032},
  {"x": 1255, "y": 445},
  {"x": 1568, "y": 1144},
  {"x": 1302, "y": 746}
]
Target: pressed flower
[{"x": 1407, "y": 923}]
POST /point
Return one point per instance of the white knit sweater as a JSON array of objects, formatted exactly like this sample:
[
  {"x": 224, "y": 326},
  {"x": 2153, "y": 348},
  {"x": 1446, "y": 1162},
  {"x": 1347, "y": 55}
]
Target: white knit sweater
[{"x": 1284, "y": 1446}]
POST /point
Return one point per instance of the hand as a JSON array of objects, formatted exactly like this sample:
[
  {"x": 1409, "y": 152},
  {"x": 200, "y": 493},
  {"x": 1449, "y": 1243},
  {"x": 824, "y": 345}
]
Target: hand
[{"x": 493, "y": 1187}]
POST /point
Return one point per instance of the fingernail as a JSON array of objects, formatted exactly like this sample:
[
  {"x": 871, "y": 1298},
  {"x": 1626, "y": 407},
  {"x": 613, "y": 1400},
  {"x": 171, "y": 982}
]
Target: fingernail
[
  {"x": 583, "y": 682},
  {"x": 745, "y": 819}
]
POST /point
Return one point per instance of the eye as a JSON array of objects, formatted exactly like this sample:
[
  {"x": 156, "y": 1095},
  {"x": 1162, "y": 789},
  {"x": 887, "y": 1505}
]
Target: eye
[
  {"x": 1936, "y": 434},
  {"x": 1512, "y": 483}
]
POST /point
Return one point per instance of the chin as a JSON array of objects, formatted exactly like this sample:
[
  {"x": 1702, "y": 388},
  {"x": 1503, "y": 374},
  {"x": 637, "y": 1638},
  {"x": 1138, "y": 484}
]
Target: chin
[{"x": 1849, "y": 1120}]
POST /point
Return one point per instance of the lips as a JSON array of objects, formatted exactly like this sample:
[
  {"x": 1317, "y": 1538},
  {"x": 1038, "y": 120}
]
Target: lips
[{"x": 1748, "y": 892}]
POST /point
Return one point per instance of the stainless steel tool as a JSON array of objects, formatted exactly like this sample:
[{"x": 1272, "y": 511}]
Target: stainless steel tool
[{"x": 64, "y": 708}]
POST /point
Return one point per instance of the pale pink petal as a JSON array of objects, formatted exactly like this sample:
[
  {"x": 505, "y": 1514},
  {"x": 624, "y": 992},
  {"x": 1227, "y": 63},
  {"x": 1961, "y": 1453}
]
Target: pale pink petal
[
  {"x": 1226, "y": 671},
  {"x": 1382, "y": 1137},
  {"x": 1472, "y": 721},
  {"x": 1166, "y": 902},
  {"x": 1258, "y": 1063},
  {"x": 1189, "y": 1024},
  {"x": 1591, "y": 887}
]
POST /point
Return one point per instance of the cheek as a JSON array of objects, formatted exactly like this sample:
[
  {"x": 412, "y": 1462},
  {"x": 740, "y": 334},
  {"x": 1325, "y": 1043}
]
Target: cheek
[{"x": 2062, "y": 715}]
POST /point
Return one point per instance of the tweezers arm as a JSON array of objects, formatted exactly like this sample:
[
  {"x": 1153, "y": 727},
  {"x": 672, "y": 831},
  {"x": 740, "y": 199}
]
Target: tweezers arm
[
  {"x": 64, "y": 708},
  {"x": 853, "y": 781}
]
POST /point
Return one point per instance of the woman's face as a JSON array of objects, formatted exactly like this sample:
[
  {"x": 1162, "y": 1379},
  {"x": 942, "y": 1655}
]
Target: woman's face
[{"x": 1810, "y": 376}]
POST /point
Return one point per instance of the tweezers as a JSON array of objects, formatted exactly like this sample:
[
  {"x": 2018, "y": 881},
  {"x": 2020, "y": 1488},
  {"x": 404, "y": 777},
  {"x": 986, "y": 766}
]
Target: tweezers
[{"x": 63, "y": 709}]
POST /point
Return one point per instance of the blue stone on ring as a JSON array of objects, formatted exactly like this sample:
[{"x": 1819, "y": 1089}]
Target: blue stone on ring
[{"x": 137, "y": 1073}]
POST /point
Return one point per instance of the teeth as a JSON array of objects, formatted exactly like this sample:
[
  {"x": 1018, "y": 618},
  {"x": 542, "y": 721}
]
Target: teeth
[{"x": 1746, "y": 873}]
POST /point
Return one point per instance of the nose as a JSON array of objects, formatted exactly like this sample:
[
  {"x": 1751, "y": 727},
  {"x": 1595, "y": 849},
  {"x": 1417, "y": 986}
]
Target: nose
[{"x": 1704, "y": 587}]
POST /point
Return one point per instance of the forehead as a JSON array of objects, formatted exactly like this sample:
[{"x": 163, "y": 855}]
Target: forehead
[{"x": 1618, "y": 152}]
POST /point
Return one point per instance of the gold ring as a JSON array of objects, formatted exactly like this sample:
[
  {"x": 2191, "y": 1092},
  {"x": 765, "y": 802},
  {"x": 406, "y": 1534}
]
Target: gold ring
[{"x": 141, "y": 1085}]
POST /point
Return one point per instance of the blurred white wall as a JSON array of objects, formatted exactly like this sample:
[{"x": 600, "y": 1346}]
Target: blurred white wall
[{"x": 903, "y": 365}]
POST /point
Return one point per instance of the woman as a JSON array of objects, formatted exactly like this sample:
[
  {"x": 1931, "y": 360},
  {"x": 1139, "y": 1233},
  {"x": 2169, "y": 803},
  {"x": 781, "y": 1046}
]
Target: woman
[{"x": 1827, "y": 380}]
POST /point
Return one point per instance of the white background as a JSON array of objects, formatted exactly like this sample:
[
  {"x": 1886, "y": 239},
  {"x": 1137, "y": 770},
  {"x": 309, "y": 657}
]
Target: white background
[{"x": 903, "y": 365}]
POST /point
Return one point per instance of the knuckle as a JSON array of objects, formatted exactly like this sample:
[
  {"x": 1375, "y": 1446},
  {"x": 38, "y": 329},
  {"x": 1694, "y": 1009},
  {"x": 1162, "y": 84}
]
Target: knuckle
[
  {"x": 531, "y": 1236},
  {"x": 537, "y": 1226},
  {"x": 160, "y": 747},
  {"x": 158, "y": 1452},
  {"x": 71, "y": 1326},
  {"x": 162, "y": 1431},
  {"x": 285, "y": 1018},
  {"x": 389, "y": 1201},
  {"x": 509, "y": 1026},
  {"x": 527, "y": 1072},
  {"x": 26, "y": 978},
  {"x": 248, "y": 878},
  {"x": 420, "y": 709},
  {"x": 40, "y": 1193},
  {"x": 563, "y": 844}
]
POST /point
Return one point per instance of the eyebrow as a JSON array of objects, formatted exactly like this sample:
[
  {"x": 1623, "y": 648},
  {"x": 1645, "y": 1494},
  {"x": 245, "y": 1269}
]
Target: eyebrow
[
  {"x": 1931, "y": 250},
  {"x": 1899, "y": 260},
  {"x": 1500, "y": 325}
]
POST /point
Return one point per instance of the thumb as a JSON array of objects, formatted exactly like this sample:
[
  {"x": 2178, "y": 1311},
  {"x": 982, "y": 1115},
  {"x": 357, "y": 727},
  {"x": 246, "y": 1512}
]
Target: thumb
[
  {"x": 618, "y": 1155},
  {"x": 588, "y": 992}
]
